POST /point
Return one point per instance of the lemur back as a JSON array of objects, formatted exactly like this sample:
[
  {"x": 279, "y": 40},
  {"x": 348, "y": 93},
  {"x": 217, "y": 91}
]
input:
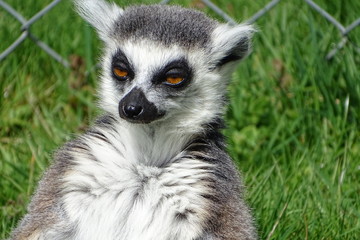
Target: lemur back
[{"x": 154, "y": 165}]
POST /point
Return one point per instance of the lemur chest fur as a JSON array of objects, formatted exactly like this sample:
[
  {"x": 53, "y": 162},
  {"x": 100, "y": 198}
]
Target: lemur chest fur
[{"x": 111, "y": 191}]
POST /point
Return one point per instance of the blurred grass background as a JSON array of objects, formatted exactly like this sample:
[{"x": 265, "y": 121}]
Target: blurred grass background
[{"x": 293, "y": 120}]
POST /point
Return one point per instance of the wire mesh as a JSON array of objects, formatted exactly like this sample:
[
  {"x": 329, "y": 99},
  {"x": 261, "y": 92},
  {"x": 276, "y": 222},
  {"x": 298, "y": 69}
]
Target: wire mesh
[{"x": 26, "y": 24}]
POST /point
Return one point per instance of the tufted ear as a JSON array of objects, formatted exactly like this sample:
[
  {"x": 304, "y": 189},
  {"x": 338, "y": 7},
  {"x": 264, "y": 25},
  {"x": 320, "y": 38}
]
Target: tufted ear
[
  {"x": 230, "y": 43},
  {"x": 100, "y": 14}
]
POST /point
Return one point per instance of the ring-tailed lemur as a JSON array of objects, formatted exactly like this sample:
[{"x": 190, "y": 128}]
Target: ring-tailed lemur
[{"x": 154, "y": 166}]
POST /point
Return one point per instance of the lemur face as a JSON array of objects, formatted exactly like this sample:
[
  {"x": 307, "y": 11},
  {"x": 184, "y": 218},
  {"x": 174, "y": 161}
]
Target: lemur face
[
  {"x": 150, "y": 80},
  {"x": 164, "y": 63}
]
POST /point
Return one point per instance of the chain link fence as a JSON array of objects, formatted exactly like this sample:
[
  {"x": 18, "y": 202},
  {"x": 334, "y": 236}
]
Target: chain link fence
[{"x": 26, "y": 24}]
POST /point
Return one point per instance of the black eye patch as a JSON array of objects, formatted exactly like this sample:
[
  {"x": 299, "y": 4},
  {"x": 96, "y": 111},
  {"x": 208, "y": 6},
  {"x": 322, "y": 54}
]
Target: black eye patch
[
  {"x": 176, "y": 74},
  {"x": 120, "y": 61}
]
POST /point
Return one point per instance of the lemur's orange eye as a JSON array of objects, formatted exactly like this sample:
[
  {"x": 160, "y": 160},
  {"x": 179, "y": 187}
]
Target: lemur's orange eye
[
  {"x": 121, "y": 73},
  {"x": 174, "y": 80}
]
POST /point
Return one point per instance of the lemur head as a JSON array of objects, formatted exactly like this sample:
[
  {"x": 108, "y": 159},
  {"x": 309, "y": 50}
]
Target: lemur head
[{"x": 164, "y": 63}]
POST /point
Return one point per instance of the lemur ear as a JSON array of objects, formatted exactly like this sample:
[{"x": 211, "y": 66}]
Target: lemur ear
[
  {"x": 230, "y": 43},
  {"x": 100, "y": 14}
]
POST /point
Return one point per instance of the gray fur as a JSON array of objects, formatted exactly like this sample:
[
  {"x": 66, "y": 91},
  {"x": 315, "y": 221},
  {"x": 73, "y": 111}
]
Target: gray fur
[
  {"x": 231, "y": 217},
  {"x": 167, "y": 24},
  {"x": 168, "y": 179}
]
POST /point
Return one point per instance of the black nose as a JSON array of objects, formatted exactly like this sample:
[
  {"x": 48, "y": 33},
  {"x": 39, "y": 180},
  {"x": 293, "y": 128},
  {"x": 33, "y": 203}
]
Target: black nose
[
  {"x": 132, "y": 111},
  {"x": 134, "y": 107}
]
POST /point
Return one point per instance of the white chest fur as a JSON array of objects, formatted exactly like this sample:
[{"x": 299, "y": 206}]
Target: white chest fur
[{"x": 113, "y": 196}]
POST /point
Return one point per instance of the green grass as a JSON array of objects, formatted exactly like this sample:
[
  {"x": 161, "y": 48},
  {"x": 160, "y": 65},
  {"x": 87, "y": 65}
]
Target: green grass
[{"x": 293, "y": 117}]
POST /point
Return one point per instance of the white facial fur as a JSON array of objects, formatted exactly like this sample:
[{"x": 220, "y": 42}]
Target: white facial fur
[
  {"x": 197, "y": 103},
  {"x": 203, "y": 98}
]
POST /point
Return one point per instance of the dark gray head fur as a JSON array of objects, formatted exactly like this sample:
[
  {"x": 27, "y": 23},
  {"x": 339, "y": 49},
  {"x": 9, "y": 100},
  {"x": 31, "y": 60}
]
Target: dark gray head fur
[{"x": 167, "y": 24}]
